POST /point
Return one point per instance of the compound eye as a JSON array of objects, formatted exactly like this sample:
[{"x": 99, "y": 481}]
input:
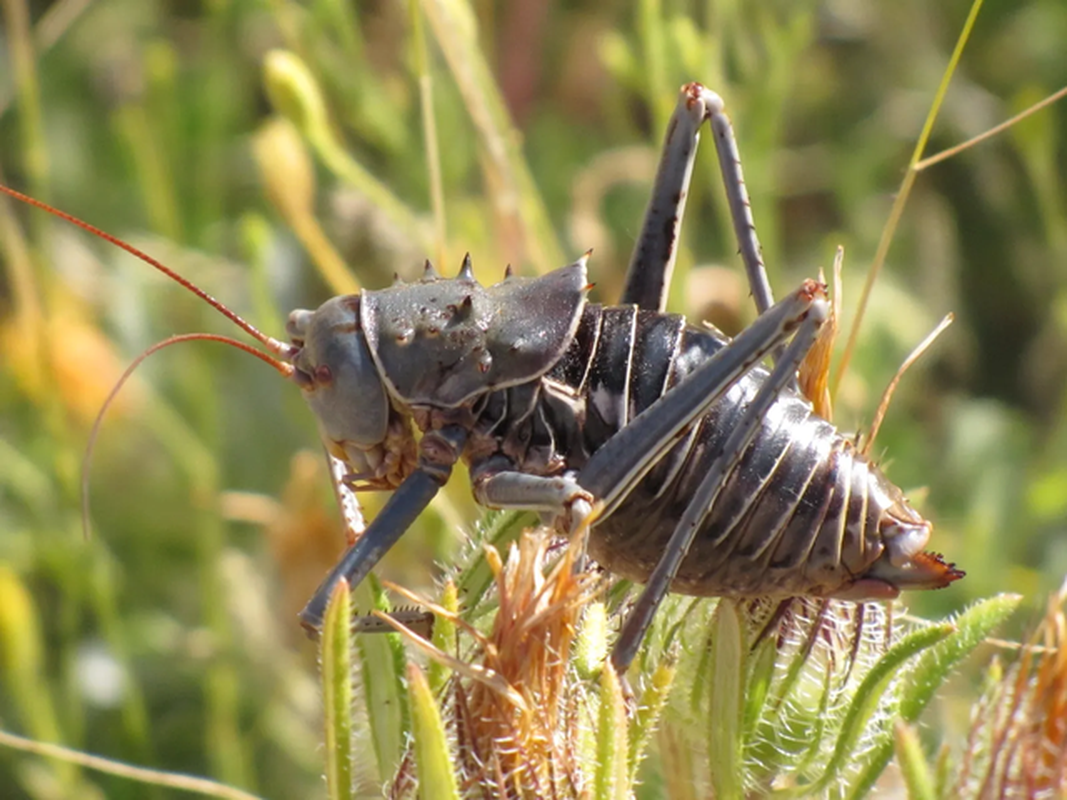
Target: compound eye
[
  {"x": 311, "y": 376},
  {"x": 297, "y": 325},
  {"x": 323, "y": 375}
]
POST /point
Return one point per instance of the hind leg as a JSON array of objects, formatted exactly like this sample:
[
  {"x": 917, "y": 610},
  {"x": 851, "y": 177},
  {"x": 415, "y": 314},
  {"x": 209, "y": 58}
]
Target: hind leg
[
  {"x": 649, "y": 275},
  {"x": 696, "y": 511}
]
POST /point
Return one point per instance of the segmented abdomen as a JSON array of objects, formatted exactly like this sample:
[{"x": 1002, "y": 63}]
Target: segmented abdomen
[{"x": 799, "y": 514}]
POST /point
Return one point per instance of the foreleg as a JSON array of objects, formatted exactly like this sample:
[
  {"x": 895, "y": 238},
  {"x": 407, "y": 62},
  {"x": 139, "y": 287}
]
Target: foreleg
[{"x": 438, "y": 452}]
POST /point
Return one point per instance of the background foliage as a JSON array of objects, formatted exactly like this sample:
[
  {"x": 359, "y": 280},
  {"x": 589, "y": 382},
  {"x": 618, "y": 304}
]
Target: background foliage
[{"x": 169, "y": 638}]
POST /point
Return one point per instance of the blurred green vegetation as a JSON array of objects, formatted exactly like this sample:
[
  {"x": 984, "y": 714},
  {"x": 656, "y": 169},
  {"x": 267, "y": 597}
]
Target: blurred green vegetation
[{"x": 170, "y": 638}]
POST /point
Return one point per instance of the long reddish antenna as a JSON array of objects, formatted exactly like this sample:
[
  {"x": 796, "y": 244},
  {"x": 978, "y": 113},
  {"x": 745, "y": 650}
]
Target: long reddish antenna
[
  {"x": 272, "y": 344},
  {"x": 287, "y": 370}
]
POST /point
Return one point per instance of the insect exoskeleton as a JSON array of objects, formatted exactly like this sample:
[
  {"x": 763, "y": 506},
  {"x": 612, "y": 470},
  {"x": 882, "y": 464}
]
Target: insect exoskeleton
[
  {"x": 540, "y": 381},
  {"x": 699, "y": 469}
]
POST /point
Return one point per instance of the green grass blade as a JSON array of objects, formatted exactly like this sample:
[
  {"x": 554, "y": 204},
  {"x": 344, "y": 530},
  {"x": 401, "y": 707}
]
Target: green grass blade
[
  {"x": 498, "y": 529},
  {"x": 23, "y": 66},
  {"x": 150, "y": 777},
  {"x": 611, "y": 775},
  {"x": 761, "y": 673},
  {"x": 933, "y": 667},
  {"x": 295, "y": 93},
  {"x": 337, "y": 693},
  {"x": 727, "y": 681},
  {"x": 444, "y": 638},
  {"x": 22, "y": 666},
  {"x": 649, "y": 709},
  {"x": 382, "y": 663},
  {"x": 591, "y": 644},
  {"x": 868, "y": 696},
  {"x": 456, "y": 33},
  {"x": 895, "y": 213},
  {"x": 913, "y": 764},
  {"x": 972, "y": 627},
  {"x": 433, "y": 761},
  {"x": 429, "y": 133}
]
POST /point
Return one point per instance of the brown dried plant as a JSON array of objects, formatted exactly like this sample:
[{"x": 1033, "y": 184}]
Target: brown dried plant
[
  {"x": 518, "y": 710},
  {"x": 1017, "y": 745}
]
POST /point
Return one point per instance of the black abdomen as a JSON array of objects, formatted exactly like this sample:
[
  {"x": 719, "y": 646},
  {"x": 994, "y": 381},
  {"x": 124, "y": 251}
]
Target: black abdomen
[{"x": 799, "y": 512}]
